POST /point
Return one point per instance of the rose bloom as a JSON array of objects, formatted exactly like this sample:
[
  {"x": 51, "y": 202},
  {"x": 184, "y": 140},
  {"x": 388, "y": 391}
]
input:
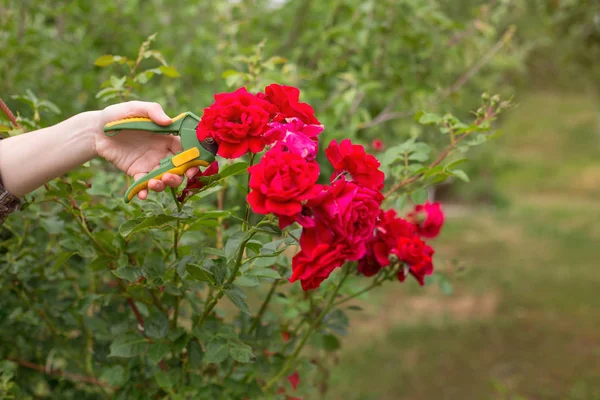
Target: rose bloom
[
  {"x": 237, "y": 122},
  {"x": 316, "y": 260},
  {"x": 377, "y": 144},
  {"x": 280, "y": 183},
  {"x": 418, "y": 255},
  {"x": 388, "y": 230},
  {"x": 346, "y": 213},
  {"x": 428, "y": 219},
  {"x": 295, "y": 136},
  {"x": 352, "y": 159},
  {"x": 286, "y": 100}
]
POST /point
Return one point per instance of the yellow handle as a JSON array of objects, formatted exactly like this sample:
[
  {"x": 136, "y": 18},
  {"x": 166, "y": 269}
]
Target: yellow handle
[{"x": 180, "y": 170}]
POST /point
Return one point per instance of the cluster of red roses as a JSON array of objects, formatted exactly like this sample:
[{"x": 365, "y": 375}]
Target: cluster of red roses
[{"x": 342, "y": 221}]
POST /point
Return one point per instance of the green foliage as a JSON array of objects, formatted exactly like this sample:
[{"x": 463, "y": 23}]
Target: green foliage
[{"x": 159, "y": 300}]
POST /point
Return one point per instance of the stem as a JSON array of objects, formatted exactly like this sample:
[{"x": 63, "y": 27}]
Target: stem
[
  {"x": 176, "y": 234},
  {"x": 64, "y": 374},
  {"x": 263, "y": 308},
  {"x": 309, "y": 332},
  {"x": 247, "y": 214},
  {"x": 378, "y": 281},
  {"x": 217, "y": 297}
]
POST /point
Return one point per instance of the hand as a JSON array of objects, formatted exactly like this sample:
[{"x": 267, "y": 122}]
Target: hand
[{"x": 138, "y": 152}]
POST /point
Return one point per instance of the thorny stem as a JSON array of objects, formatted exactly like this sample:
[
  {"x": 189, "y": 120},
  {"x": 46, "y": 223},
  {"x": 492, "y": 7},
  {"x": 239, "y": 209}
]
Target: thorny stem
[
  {"x": 247, "y": 214},
  {"x": 64, "y": 374},
  {"x": 263, "y": 308},
  {"x": 290, "y": 361},
  {"x": 176, "y": 235},
  {"x": 221, "y": 293}
]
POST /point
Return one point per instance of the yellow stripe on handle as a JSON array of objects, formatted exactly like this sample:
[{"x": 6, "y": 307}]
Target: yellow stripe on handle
[
  {"x": 124, "y": 120},
  {"x": 180, "y": 170}
]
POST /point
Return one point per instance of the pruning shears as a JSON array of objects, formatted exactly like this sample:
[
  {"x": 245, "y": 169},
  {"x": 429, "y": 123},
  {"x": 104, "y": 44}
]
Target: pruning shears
[{"x": 194, "y": 154}]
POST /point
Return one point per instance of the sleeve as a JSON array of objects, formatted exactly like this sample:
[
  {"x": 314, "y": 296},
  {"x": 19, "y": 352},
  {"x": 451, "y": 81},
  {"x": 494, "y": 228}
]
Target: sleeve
[{"x": 8, "y": 203}]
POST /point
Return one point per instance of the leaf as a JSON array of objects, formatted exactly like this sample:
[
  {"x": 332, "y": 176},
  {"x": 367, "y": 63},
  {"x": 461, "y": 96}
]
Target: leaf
[
  {"x": 241, "y": 352},
  {"x": 196, "y": 354},
  {"x": 217, "y": 351},
  {"x": 331, "y": 342},
  {"x": 456, "y": 163},
  {"x": 247, "y": 281},
  {"x": 264, "y": 273},
  {"x": 446, "y": 287},
  {"x": 106, "y": 60},
  {"x": 460, "y": 174},
  {"x": 419, "y": 196},
  {"x": 127, "y": 346},
  {"x": 144, "y": 223},
  {"x": 131, "y": 274},
  {"x": 233, "y": 169},
  {"x": 355, "y": 308},
  {"x": 219, "y": 270},
  {"x": 169, "y": 71},
  {"x": 199, "y": 273},
  {"x": 233, "y": 244},
  {"x": 156, "y": 351},
  {"x": 115, "y": 375},
  {"x": 157, "y": 327},
  {"x": 426, "y": 118},
  {"x": 237, "y": 297}
]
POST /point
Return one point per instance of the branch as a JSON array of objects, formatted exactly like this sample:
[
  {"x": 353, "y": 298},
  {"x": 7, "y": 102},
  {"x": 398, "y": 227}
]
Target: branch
[
  {"x": 444, "y": 154},
  {"x": 64, "y": 374},
  {"x": 8, "y": 113},
  {"x": 387, "y": 115}
]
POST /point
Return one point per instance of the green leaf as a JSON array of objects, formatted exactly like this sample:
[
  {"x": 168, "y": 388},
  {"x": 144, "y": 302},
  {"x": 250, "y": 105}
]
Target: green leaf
[
  {"x": 144, "y": 223},
  {"x": 241, "y": 352},
  {"x": 127, "y": 346},
  {"x": 199, "y": 273},
  {"x": 456, "y": 163},
  {"x": 217, "y": 351},
  {"x": 460, "y": 174},
  {"x": 331, "y": 342},
  {"x": 247, "y": 281},
  {"x": 106, "y": 60},
  {"x": 233, "y": 244},
  {"x": 165, "y": 379},
  {"x": 156, "y": 351},
  {"x": 157, "y": 327},
  {"x": 233, "y": 169},
  {"x": 196, "y": 354},
  {"x": 237, "y": 297},
  {"x": 131, "y": 274},
  {"x": 355, "y": 308},
  {"x": 115, "y": 375},
  {"x": 446, "y": 287},
  {"x": 219, "y": 270},
  {"x": 419, "y": 196},
  {"x": 264, "y": 273},
  {"x": 426, "y": 118},
  {"x": 169, "y": 71}
]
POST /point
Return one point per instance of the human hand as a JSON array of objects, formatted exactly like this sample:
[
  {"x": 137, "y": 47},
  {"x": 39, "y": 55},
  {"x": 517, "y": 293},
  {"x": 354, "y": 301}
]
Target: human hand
[{"x": 138, "y": 152}]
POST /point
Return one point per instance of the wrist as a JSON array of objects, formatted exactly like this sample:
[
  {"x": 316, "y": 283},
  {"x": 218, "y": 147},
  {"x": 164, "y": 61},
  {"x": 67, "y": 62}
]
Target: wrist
[{"x": 90, "y": 126}]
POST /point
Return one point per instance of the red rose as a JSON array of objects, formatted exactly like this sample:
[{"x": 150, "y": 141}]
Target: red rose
[
  {"x": 377, "y": 144},
  {"x": 236, "y": 121},
  {"x": 428, "y": 219},
  {"x": 316, "y": 260},
  {"x": 280, "y": 183},
  {"x": 286, "y": 100},
  {"x": 294, "y": 136},
  {"x": 352, "y": 159},
  {"x": 418, "y": 255},
  {"x": 194, "y": 183},
  {"x": 294, "y": 380},
  {"x": 389, "y": 229},
  {"x": 346, "y": 213}
]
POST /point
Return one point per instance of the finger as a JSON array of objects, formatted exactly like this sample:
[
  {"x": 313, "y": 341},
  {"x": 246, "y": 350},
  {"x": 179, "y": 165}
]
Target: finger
[
  {"x": 143, "y": 194},
  {"x": 192, "y": 171},
  {"x": 157, "y": 114},
  {"x": 136, "y": 108},
  {"x": 172, "y": 180},
  {"x": 156, "y": 185},
  {"x": 175, "y": 145}
]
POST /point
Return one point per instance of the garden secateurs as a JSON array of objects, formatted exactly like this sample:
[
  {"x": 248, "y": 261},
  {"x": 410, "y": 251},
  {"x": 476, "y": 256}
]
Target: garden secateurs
[{"x": 194, "y": 154}]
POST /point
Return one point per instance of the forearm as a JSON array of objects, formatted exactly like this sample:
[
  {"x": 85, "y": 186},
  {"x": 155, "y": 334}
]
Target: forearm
[{"x": 30, "y": 160}]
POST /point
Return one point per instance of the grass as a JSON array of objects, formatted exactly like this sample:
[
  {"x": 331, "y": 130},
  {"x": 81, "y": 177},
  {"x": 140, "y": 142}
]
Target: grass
[{"x": 524, "y": 319}]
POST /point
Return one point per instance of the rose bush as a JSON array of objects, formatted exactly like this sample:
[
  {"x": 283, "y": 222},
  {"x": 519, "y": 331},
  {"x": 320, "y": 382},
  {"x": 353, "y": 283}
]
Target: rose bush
[{"x": 239, "y": 285}]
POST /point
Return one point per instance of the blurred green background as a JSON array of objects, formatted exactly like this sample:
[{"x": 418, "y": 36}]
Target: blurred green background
[{"x": 521, "y": 240}]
